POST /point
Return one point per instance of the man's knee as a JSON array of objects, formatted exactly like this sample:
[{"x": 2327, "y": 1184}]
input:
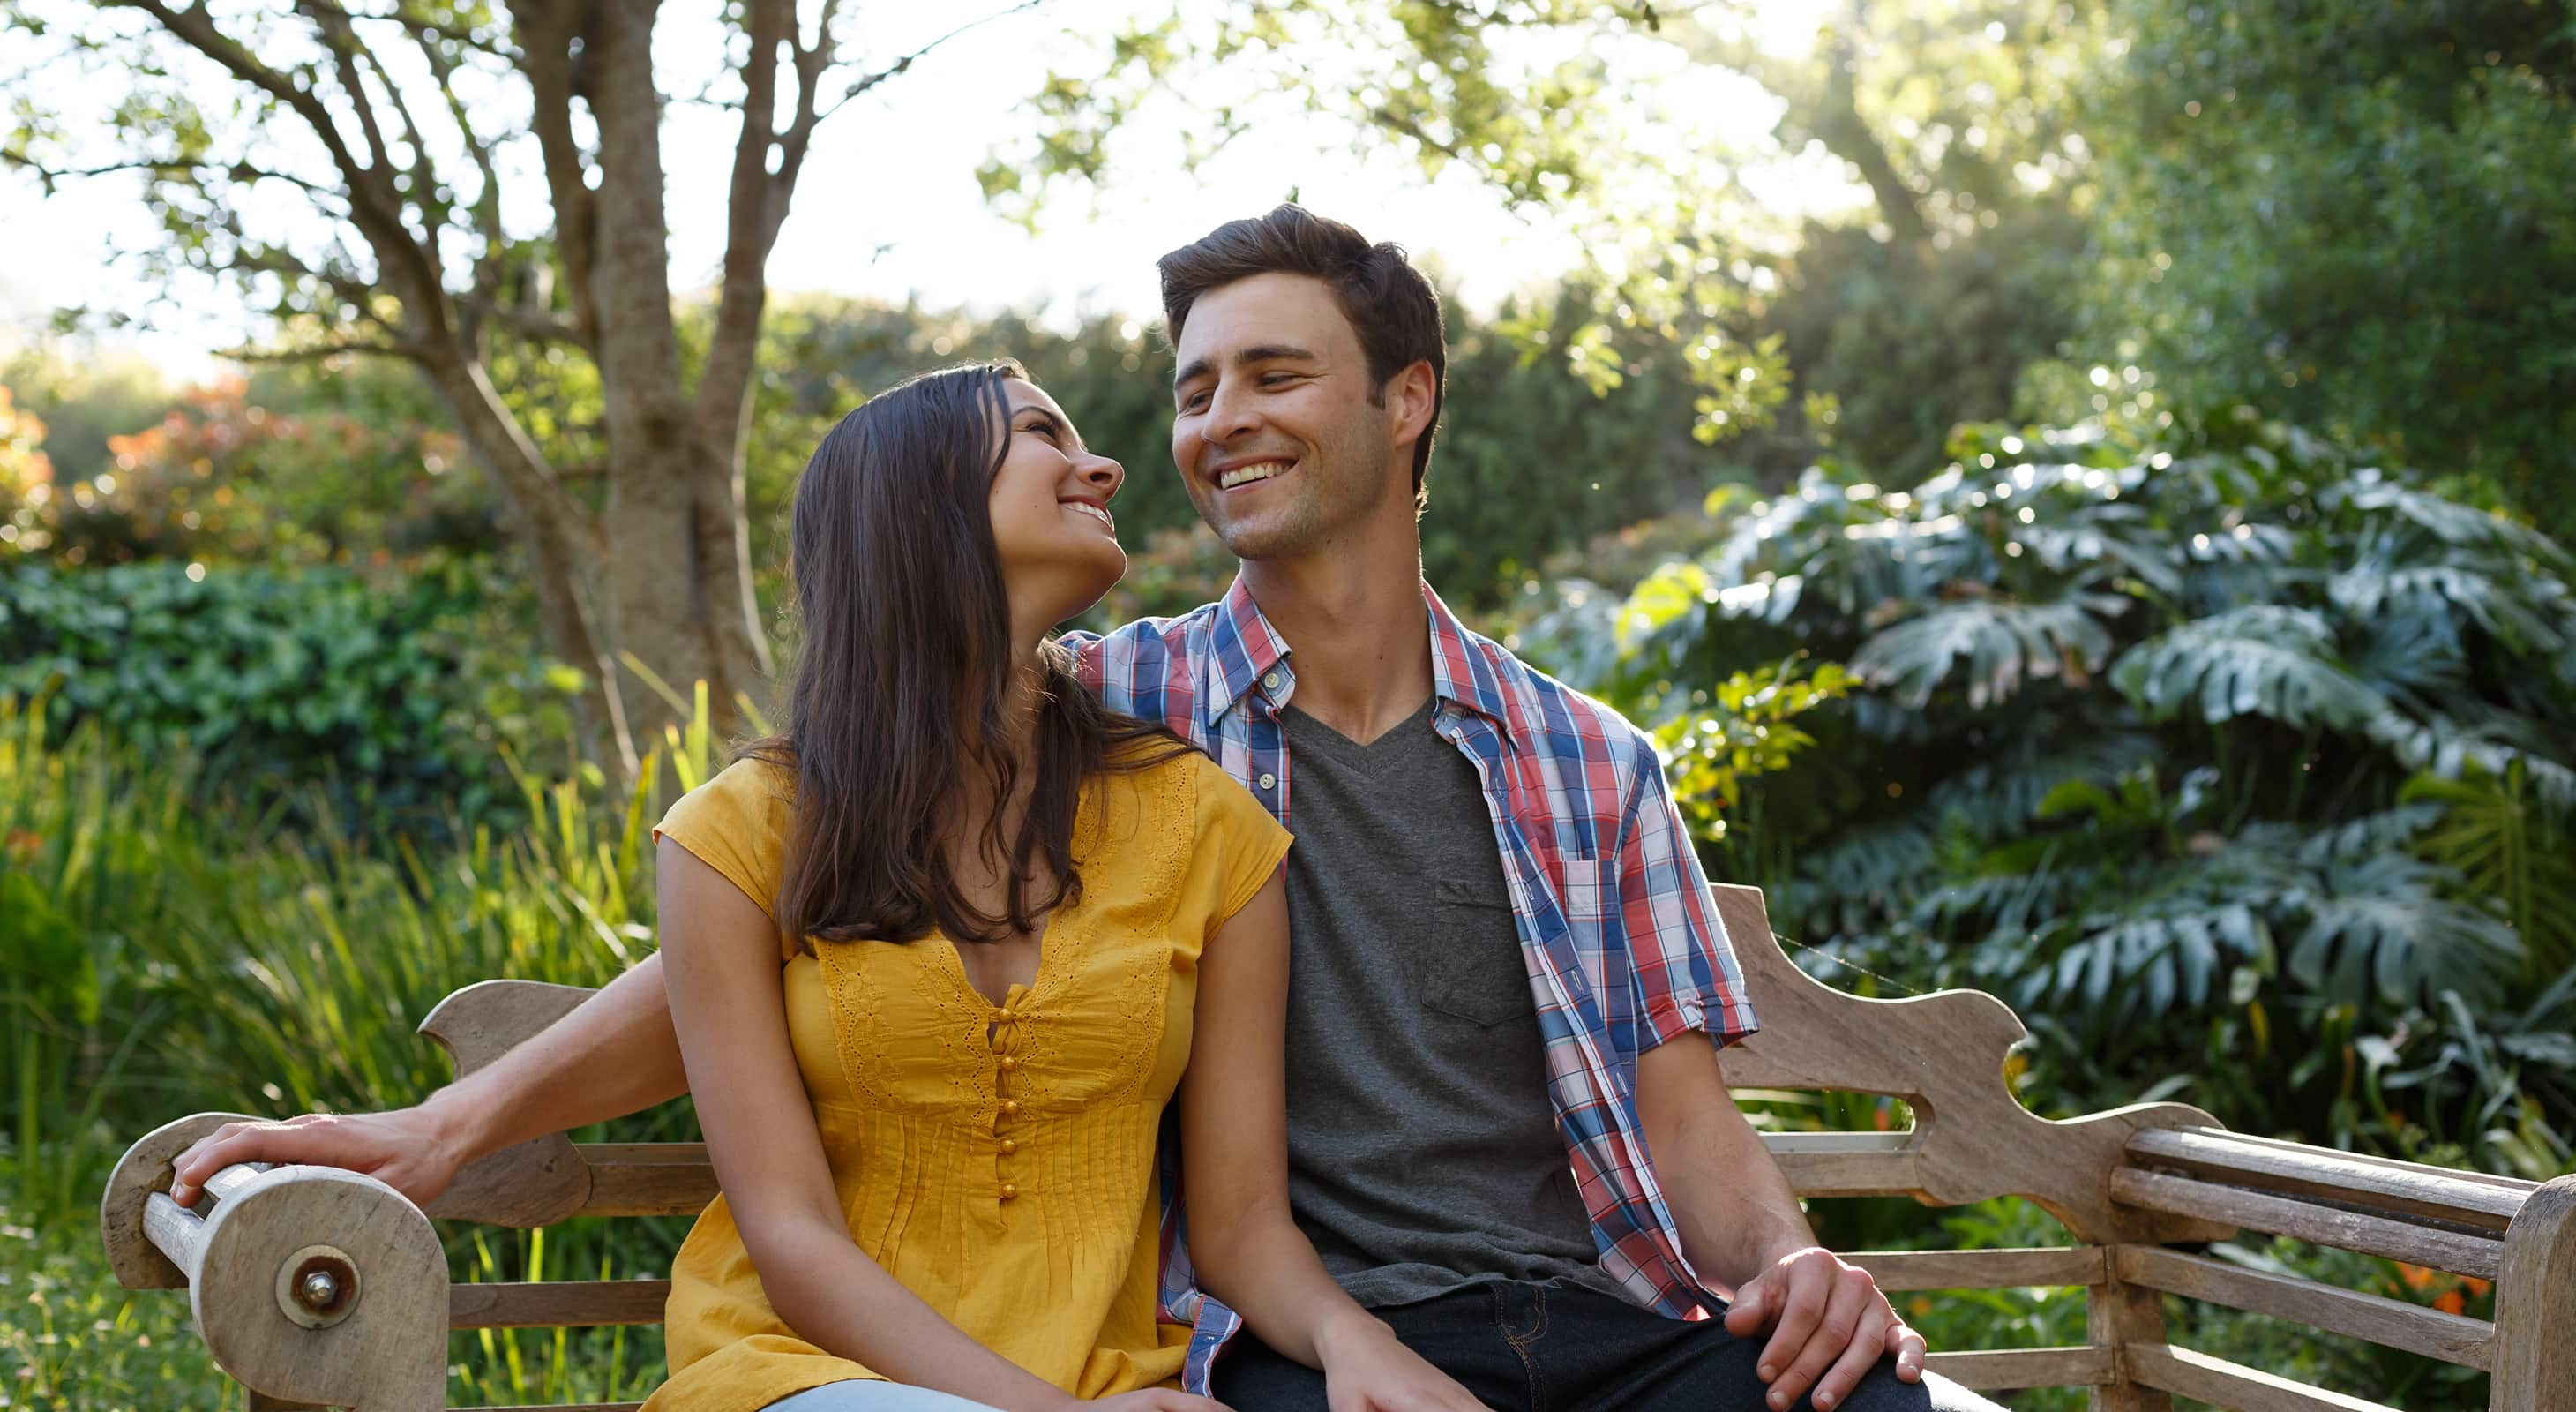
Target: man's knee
[{"x": 1882, "y": 1391}]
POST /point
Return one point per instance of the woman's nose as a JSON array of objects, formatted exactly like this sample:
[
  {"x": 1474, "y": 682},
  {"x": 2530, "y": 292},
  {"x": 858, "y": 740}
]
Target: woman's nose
[{"x": 1104, "y": 475}]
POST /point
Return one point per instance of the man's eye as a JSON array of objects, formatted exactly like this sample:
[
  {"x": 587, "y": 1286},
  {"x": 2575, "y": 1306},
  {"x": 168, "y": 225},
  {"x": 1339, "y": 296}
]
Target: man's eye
[{"x": 1275, "y": 379}]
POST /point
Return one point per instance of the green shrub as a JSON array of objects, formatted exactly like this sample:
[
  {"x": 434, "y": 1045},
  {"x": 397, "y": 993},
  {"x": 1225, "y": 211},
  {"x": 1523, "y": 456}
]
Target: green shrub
[
  {"x": 375, "y": 706},
  {"x": 2241, "y": 767}
]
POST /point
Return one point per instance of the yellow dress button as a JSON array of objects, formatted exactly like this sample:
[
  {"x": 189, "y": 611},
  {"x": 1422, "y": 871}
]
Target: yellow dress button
[
  {"x": 1008, "y": 1062},
  {"x": 1010, "y": 1107},
  {"x": 1009, "y": 1190},
  {"x": 1008, "y": 1146},
  {"x": 1003, "y": 1017}
]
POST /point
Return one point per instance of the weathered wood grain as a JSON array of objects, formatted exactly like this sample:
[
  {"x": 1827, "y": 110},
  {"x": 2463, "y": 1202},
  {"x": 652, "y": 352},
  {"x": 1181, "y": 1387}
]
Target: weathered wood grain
[
  {"x": 534, "y": 1183},
  {"x": 1900, "y": 1271},
  {"x": 2392, "y": 1323},
  {"x": 2535, "y": 1361},
  {"x": 385, "y": 1354},
  {"x": 177, "y": 1232},
  {"x": 556, "y": 1303},
  {"x": 2441, "y": 1249},
  {"x": 2404, "y": 1188},
  {"x": 2005, "y": 1369},
  {"x": 2232, "y": 1385},
  {"x": 2118, "y": 1316},
  {"x": 1944, "y": 1055},
  {"x": 143, "y": 1170},
  {"x": 647, "y": 1178}
]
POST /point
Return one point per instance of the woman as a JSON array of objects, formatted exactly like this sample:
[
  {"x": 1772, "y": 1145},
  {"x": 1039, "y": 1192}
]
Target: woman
[{"x": 939, "y": 955}]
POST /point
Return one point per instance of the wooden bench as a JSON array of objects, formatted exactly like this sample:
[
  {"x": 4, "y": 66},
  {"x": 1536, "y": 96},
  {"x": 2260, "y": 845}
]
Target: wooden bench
[{"x": 320, "y": 1287}]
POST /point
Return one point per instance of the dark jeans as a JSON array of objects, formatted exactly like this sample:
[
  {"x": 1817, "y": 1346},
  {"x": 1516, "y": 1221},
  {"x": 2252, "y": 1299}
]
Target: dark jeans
[{"x": 1548, "y": 1348}]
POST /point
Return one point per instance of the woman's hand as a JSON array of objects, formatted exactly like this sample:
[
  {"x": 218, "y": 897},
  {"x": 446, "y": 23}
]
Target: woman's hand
[
  {"x": 1367, "y": 1369},
  {"x": 1152, "y": 1399},
  {"x": 408, "y": 1149}
]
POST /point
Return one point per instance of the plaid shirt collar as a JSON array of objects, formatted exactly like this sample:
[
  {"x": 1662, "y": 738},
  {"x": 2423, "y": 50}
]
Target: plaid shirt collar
[{"x": 1247, "y": 654}]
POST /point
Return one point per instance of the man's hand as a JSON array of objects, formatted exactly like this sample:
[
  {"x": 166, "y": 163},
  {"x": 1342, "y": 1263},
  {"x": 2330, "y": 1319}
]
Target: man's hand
[
  {"x": 409, "y": 1149},
  {"x": 1829, "y": 1325}
]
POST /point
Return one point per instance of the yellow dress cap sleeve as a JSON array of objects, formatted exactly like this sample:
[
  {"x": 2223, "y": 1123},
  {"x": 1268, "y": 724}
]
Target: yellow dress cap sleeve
[
  {"x": 1236, "y": 838},
  {"x": 739, "y": 824}
]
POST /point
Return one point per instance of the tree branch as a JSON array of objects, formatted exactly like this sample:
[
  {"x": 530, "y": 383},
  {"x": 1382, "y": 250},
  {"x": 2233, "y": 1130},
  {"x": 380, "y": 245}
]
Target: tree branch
[
  {"x": 373, "y": 207},
  {"x": 546, "y": 59},
  {"x": 196, "y": 173},
  {"x": 526, "y": 322},
  {"x": 487, "y": 203},
  {"x": 422, "y": 28},
  {"x": 752, "y": 196},
  {"x": 332, "y": 348},
  {"x": 868, "y": 81},
  {"x": 357, "y": 292}
]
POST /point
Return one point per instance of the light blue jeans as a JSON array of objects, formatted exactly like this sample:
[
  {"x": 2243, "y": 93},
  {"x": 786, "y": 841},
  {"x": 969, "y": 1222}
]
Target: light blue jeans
[{"x": 867, "y": 1395}]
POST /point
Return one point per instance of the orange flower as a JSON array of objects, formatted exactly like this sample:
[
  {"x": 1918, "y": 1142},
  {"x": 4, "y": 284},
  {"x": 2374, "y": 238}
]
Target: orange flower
[
  {"x": 2474, "y": 1285},
  {"x": 22, "y": 844},
  {"x": 2415, "y": 1276},
  {"x": 2451, "y": 1301}
]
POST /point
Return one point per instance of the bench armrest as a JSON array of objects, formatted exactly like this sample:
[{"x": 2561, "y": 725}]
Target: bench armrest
[{"x": 308, "y": 1284}]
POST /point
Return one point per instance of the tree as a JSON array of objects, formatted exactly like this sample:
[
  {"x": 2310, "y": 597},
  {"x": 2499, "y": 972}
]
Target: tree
[
  {"x": 2360, "y": 217},
  {"x": 390, "y": 131},
  {"x": 1954, "y": 116}
]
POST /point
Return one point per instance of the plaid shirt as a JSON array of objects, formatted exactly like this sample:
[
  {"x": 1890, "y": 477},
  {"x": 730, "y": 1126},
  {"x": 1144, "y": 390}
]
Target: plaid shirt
[{"x": 1614, "y": 916}]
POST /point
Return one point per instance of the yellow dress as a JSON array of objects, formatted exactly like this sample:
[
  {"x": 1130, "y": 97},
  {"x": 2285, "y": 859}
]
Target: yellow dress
[{"x": 1009, "y": 1181}]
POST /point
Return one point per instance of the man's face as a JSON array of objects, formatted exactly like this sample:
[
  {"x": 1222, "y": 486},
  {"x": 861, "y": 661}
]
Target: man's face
[{"x": 1274, "y": 430}]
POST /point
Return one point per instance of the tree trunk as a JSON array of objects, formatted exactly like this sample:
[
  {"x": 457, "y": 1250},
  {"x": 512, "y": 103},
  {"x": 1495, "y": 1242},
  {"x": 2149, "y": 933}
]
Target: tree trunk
[{"x": 671, "y": 579}]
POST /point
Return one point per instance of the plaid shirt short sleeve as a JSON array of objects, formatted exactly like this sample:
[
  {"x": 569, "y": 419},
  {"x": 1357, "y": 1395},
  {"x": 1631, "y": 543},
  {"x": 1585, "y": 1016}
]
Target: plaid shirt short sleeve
[{"x": 1612, "y": 907}]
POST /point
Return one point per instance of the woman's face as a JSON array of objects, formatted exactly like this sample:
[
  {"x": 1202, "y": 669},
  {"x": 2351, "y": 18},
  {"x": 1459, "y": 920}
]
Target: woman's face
[{"x": 1050, "y": 513}]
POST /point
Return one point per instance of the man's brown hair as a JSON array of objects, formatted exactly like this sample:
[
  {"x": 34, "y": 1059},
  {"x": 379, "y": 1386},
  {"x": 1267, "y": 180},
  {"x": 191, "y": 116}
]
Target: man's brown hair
[{"x": 1390, "y": 305}]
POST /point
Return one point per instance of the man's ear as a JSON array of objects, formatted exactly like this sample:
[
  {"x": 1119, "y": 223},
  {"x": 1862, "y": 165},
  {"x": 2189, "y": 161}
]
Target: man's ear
[{"x": 1411, "y": 397}]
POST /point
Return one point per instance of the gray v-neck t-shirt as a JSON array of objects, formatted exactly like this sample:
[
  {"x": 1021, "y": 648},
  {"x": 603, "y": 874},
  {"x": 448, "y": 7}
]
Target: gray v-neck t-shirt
[{"x": 1423, "y": 1152}]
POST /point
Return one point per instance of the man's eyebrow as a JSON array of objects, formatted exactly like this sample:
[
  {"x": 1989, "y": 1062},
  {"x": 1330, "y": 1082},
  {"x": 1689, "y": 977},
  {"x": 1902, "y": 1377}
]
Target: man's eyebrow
[{"x": 1257, "y": 353}]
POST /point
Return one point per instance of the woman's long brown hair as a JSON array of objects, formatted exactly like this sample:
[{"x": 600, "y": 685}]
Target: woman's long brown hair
[{"x": 903, "y": 684}]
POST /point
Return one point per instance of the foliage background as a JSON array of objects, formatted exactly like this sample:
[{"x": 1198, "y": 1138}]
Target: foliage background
[{"x": 2123, "y": 564}]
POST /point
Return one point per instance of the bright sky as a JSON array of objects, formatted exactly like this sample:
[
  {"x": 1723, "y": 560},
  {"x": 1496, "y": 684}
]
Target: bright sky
[{"x": 889, "y": 205}]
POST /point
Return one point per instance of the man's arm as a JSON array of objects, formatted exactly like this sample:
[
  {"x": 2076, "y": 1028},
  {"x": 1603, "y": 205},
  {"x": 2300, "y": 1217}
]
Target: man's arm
[
  {"x": 1738, "y": 1216},
  {"x": 614, "y": 1054},
  {"x": 1740, "y": 1223}
]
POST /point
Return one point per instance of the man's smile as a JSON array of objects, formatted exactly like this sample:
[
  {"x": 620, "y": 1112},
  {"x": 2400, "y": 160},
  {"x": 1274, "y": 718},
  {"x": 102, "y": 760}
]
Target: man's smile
[{"x": 1229, "y": 475}]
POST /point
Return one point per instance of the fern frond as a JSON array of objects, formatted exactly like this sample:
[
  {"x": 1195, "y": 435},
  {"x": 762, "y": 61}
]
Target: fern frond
[
  {"x": 2385, "y": 926},
  {"x": 2267, "y": 660},
  {"x": 2001, "y": 644}
]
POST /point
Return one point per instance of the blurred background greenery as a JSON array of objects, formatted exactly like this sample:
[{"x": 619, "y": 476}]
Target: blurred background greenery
[{"x": 2120, "y": 560}]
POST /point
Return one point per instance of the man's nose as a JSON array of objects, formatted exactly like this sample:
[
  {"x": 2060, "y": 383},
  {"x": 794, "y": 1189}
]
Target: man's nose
[{"x": 1230, "y": 414}]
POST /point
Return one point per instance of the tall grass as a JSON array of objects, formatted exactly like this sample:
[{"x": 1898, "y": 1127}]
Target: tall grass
[{"x": 162, "y": 953}]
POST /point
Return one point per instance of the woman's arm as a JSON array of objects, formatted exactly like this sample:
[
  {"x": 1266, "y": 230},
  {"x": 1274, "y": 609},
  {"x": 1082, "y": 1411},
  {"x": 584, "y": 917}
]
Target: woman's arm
[
  {"x": 611, "y": 1056},
  {"x": 720, "y": 962},
  {"x": 1234, "y": 1157}
]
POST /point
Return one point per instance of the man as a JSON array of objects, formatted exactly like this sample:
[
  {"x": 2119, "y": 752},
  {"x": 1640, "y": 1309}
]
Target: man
[{"x": 1509, "y": 1133}]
